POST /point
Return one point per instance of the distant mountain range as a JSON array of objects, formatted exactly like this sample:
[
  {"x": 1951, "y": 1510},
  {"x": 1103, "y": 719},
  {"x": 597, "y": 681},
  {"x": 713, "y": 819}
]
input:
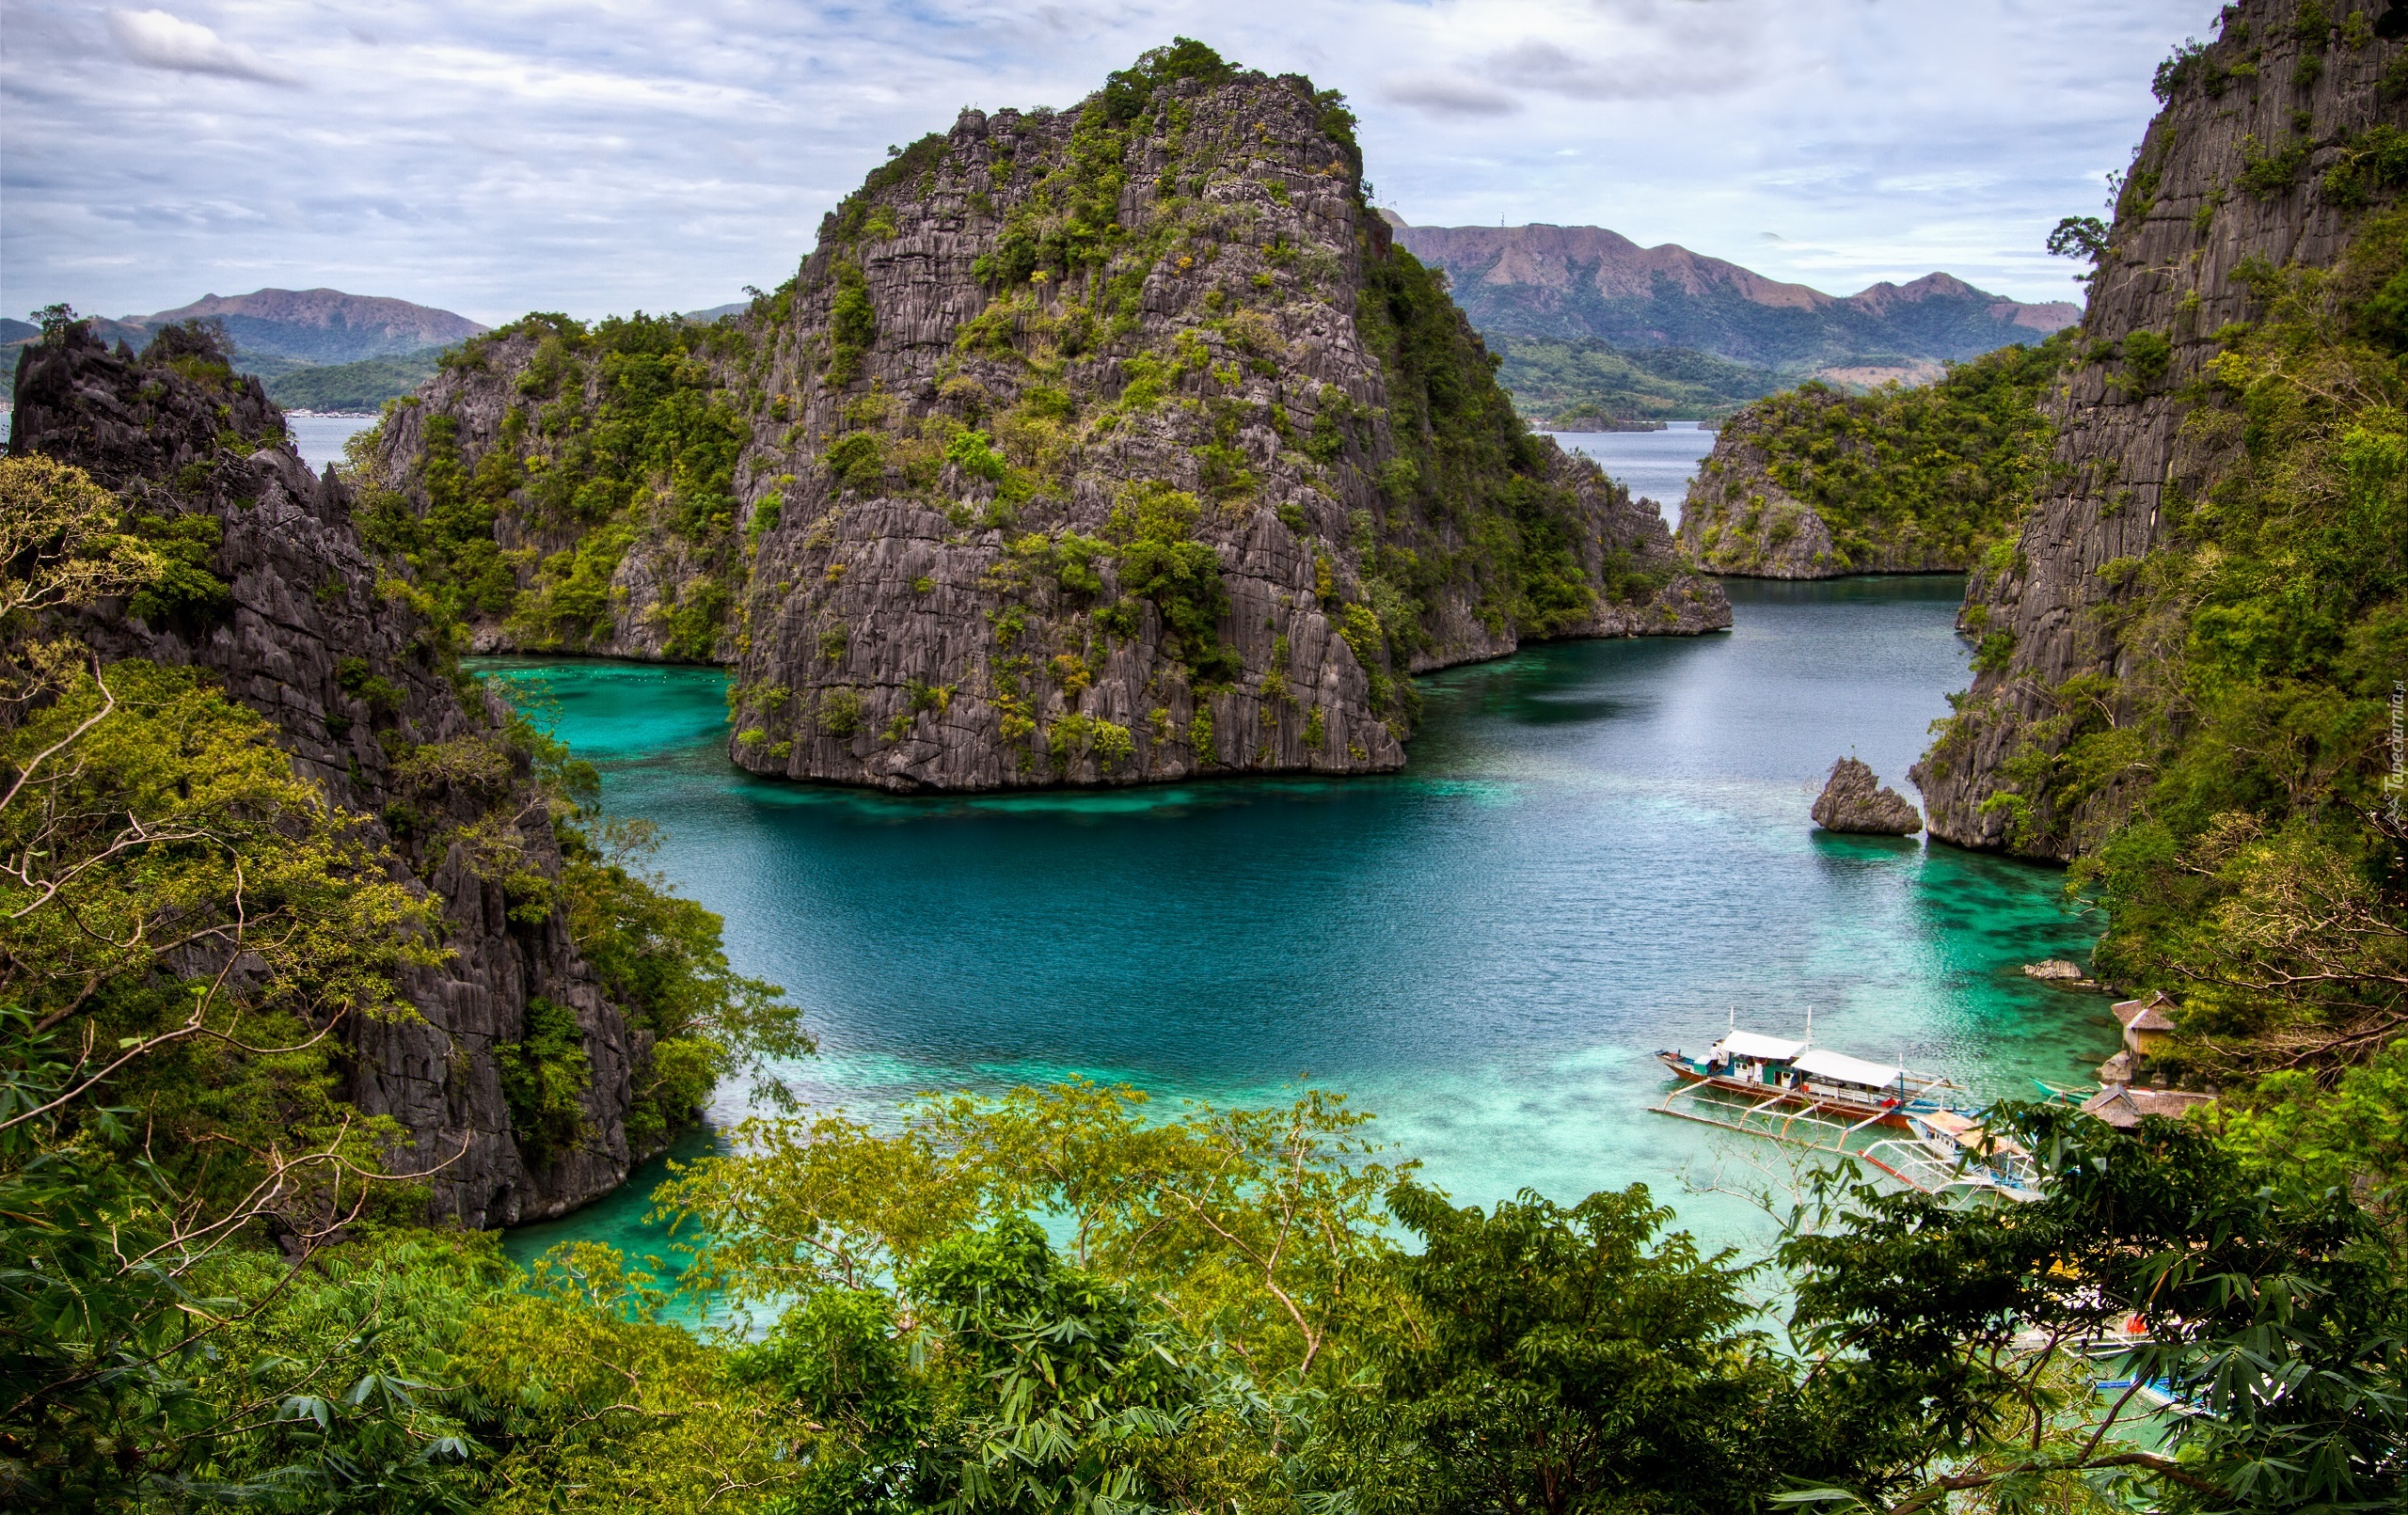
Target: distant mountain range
[
  {"x": 315, "y": 348},
  {"x": 1584, "y": 317},
  {"x": 322, "y": 326}
]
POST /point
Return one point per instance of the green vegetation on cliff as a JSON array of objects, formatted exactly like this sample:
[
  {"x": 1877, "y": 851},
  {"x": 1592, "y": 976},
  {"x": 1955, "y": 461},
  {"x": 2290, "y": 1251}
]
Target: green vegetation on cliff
[
  {"x": 613, "y": 431},
  {"x": 2248, "y": 845},
  {"x": 1464, "y": 453},
  {"x": 195, "y": 945},
  {"x": 1107, "y": 377},
  {"x": 1899, "y": 478}
]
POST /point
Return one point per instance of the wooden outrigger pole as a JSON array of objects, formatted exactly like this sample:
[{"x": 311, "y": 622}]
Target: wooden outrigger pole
[{"x": 1830, "y": 1102}]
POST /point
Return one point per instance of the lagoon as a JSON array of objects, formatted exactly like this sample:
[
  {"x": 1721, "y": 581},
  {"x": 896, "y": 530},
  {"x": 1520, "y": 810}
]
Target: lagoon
[{"x": 1597, "y": 849}]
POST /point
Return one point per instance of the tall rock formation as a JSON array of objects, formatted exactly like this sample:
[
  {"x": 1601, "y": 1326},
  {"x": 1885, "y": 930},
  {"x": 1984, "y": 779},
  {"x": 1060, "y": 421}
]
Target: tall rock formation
[
  {"x": 1110, "y": 445},
  {"x": 1814, "y": 484},
  {"x": 2235, "y": 174},
  {"x": 284, "y": 604}
]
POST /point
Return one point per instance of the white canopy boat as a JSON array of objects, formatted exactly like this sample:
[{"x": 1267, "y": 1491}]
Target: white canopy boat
[{"x": 1805, "y": 1095}]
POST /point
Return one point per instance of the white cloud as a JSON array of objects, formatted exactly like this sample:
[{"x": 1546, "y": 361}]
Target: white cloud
[
  {"x": 1446, "y": 94},
  {"x": 499, "y": 158},
  {"x": 159, "y": 40},
  {"x": 1653, "y": 73}
]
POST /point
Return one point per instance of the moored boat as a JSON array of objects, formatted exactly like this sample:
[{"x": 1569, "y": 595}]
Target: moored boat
[
  {"x": 1798, "y": 1075},
  {"x": 1805, "y": 1095}
]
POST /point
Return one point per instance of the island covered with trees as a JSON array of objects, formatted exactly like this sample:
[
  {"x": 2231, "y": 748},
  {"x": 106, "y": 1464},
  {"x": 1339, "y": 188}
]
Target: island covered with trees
[{"x": 322, "y": 963}]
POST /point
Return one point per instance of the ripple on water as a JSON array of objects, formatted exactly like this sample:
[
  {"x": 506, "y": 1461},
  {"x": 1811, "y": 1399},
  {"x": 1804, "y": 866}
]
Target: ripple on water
[{"x": 1597, "y": 849}]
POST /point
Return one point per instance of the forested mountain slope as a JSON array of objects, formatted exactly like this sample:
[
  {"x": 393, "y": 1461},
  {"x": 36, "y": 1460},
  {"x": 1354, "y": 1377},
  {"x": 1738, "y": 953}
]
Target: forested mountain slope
[
  {"x": 279, "y": 332},
  {"x": 1566, "y": 283},
  {"x": 2190, "y": 649},
  {"x": 1109, "y": 445}
]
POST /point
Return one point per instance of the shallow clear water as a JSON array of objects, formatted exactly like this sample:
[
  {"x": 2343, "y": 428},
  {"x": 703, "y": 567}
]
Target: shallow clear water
[
  {"x": 1656, "y": 465},
  {"x": 1597, "y": 850}
]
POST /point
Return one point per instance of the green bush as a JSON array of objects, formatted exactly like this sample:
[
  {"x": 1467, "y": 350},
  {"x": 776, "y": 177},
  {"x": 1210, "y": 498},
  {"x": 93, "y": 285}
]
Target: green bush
[
  {"x": 840, "y": 711},
  {"x": 545, "y": 1075},
  {"x": 853, "y": 325},
  {"x": 857, "y": 460},
  {"x": 974, "y": 454}
]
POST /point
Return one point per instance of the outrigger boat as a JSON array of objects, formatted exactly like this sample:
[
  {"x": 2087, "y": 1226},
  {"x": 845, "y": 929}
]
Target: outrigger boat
[{"x": 1804, "y": 1096}]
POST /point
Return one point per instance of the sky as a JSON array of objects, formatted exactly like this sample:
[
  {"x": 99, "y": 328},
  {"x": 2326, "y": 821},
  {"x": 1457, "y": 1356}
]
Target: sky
[{"x": 497, "y": 157}]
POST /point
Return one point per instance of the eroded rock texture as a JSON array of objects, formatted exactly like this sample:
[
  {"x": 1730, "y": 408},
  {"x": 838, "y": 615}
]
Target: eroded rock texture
[
  {"x": 1738, "y": 520},
  {"x": 2231, "y": 173},
  {"x": 1854, "y": 800},
  {"x": 1104, "y": 446},
  {"x": 316, "y": 638}
]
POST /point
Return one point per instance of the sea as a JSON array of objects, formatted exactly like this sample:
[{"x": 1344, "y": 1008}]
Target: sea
[
  {"x": 1656, "y": 465},
  {"x": 1598, "y": 849}
]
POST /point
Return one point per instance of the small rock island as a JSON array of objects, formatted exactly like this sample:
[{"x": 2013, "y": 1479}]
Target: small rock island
[{"x": 1853, "y": 800}]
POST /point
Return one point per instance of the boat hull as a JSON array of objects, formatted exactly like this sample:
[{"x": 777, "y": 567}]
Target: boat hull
[{"x": 1856, "y": 1109}]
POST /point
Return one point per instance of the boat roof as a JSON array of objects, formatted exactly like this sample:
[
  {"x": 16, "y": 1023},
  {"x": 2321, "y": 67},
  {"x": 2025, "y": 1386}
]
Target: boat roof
[
  {"x": 1823, "y": 1063},
  {"x": 2121, "y": 1105},
  {"x": 1765, "y": 1049}
]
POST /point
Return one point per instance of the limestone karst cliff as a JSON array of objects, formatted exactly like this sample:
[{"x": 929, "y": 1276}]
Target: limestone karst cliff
[
  {"x": 2277, "y": 145},
  {"x": 1107, "y": 445},
  {"x": 278, "y": 597},
  {"x": 1816, "y": 484}
]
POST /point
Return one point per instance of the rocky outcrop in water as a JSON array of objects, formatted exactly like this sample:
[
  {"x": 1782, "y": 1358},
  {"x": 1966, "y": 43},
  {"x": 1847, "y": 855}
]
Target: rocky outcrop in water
[
  {"x": 1815, "y": 483},
  {"x": 1737, "y": 519},
  {"x": 2234, "y": 175},
  {"x": 1740, "y": 520},
  {"x": 1104, "y": 446},
  {"x": 313, "y": 635},
  {"x": 1853, "y": 800}
]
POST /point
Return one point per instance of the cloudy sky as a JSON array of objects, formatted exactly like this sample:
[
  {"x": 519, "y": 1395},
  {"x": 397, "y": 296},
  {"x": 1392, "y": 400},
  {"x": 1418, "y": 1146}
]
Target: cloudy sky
[{"x": 498, "y": 156}]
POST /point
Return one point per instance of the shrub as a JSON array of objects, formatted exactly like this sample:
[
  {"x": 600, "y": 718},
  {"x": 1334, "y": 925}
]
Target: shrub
[
  {"x": 2146, "y": 357},
  {"x": 857, "y": 460},
  {"x": 840, "y": 711},
  {"x": 544, "y": 1079},
  {"x": 853, "y": 325},
  {"x": 975, "y": 455}
]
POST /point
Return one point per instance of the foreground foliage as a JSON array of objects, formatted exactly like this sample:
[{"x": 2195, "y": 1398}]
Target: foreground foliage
[
  {"x": 1216, "y": 1313},
  {"x": 191, "y": 935}
]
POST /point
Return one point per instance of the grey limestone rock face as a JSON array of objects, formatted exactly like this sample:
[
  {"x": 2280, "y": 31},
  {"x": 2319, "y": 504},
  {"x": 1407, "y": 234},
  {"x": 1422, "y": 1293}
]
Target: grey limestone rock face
[
  {"x": 1237, "y": 351},
  {"x": 1853, "y": 800},
  {"x": 313, "y": 619},
  {"x": 2172, "y": 268},
  {"x": 1739, "y": 520}
]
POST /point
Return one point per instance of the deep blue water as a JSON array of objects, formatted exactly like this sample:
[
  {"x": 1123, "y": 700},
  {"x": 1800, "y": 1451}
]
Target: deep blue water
[{"x": 1598, "y": 849}]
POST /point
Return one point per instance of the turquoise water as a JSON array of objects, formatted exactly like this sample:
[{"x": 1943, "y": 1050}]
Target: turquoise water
[{"x": 1598, "y": 848}]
